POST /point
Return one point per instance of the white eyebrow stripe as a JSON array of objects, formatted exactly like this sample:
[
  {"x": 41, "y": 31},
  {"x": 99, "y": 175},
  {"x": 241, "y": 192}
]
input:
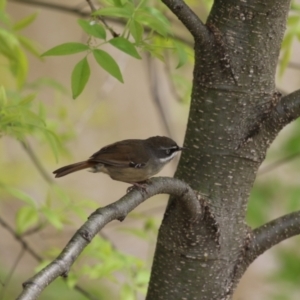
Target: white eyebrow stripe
[
  {"x": 166, "y": 159},
  {"x": 171, "y": 148}
]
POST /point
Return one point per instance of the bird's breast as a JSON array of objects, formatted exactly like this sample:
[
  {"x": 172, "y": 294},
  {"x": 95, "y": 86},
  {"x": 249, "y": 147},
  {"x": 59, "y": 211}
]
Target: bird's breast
[{"x": 132, "y": 175}]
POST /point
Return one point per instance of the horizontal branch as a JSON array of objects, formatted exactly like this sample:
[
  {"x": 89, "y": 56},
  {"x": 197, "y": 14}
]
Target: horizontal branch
[
  {"x": 288, "y": 108},
  {"x": 118, "y": 210},
  {"x": 272, "y": 233},
  {"x": 188, "y": 18}
]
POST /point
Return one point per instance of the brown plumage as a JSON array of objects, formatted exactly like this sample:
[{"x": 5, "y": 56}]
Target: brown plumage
[
  {"x": 129, "y": 161},
  {"x": 72, "y": 168}
]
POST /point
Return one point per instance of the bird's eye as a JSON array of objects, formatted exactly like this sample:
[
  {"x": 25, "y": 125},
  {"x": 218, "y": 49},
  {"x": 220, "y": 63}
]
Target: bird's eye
[{"x": 168, "y": 151}]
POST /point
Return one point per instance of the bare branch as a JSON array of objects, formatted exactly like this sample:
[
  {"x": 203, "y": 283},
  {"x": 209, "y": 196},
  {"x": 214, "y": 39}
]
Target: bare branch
[
  {"x": 272, "y": 233},
  {"x": 188, "y": 17},
  {"x": 115, "y": 211},
  {"x": 36, "y": 256},
  {"x": 288, "y": 109}
]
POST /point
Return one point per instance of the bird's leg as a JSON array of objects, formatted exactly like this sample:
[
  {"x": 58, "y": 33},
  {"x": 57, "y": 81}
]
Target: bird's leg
[{"x": 142, "y": 185}]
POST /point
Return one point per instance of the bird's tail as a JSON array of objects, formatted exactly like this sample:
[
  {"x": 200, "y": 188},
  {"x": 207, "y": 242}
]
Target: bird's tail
[{"x": 72, "y": 168}]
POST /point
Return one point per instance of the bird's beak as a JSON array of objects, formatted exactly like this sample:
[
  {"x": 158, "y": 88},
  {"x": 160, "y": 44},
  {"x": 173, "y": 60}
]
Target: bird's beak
[{"x": 181, "y": 148}]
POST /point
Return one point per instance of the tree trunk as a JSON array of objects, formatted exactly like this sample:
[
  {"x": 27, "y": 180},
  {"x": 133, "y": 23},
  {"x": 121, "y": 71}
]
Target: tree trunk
[{"x": 233, "y": 119}]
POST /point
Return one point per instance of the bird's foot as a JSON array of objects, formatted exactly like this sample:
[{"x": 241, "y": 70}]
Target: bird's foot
[{"x": 142, "y": 186}]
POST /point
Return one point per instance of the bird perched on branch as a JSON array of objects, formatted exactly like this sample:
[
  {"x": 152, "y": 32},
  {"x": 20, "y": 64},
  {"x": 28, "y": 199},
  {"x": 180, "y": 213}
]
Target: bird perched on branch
[{"x": 131, "y": 161}]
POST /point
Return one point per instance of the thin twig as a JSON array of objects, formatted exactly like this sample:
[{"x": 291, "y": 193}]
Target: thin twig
[
  {"x": 20, "y": 240},
  {"x": 170, "y": 81},
  {"x": 10, "y": 274},
  {"x": 37, "y": 163},
  {"x": 278, "y": 163},
  {"x": 82, "y": 13},
  {"x": 154, "y": 90},
  {"x": 36, "y": 256},
  {"x": 100, "y": 18}
]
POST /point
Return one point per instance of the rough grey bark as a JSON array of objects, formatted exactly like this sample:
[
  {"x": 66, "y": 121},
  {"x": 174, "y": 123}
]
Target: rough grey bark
[{"x": 235, "y": 114}]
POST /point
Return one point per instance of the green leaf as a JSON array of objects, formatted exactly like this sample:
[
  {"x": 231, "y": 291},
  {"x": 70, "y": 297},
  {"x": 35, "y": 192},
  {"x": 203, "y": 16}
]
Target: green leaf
[
  {"x": 157, "y": 14},
  {"x": 20, "y": 195},
  {"x": 26, "y": 217},
  {"x": 19, "y": 67},
  {"x": 119, "y": 2},
  {"x": 93, "y": 29},
  {"x": 121, "y": 12},
  {"x": 25, "y": 22},
  {"x": 182, "y": 55},
  {"x": 28, "y": 99},
  {"x": 71, "y": 280},
  {"x": 108, "y": 64},
  {"x": 125, "y": 46},
  {"x": 29, "y": 45},
  {"x": 65, "y": 49},
  {"x": 61, "y": 194},
  {"x": 10, "y": 48},
  {"x": 80, "y": 77},
  {"x": 52, "y": 140},
  {"x": 137, "y": 31},
  {"x": 154, "y": 23},
  {"x": 53, "y": 217}
]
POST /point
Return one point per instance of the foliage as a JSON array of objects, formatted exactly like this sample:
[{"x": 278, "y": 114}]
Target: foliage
[
  {"x": 23, "y": 116},
  {"x": 142, "y": 24},
  {"x": 292, "y": 33}
]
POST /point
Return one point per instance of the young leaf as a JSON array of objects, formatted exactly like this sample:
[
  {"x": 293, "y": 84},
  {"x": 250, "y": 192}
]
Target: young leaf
[
  {"x": 28, "y": 99},
  {"x": 182, "y": 55},
  {"x": 80, "y": 77},
  {"x": 53, "y": 217},
  {"x": 27, "y": 217},
  {"x": 125, "y": 46},
  {"x": 108, "y": 63},
  {"x": 25, "y": 22},
  {"x": 93, "y": 29},
  {"x": 65, "y": 49},
  {"x": 154, "y": 23},
  {"x": 20, "y": 195},
  {"x": 29, "y": 45},
  {"x": 137, "y": 31}
]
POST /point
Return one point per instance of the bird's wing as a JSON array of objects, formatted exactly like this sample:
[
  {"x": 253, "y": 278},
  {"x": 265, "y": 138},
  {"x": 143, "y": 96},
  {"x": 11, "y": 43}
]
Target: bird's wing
[{"x": 121, "y": 155}]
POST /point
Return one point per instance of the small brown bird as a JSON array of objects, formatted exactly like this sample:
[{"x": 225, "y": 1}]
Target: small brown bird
[{"x": 131, "y": 161}]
